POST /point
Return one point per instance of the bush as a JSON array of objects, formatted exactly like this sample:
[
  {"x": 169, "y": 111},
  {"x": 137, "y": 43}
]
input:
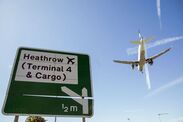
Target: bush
[{"x": 35, "y": 119}]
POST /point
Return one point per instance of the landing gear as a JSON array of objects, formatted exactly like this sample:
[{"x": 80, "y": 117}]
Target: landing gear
[{"x": 133, "y": 66}]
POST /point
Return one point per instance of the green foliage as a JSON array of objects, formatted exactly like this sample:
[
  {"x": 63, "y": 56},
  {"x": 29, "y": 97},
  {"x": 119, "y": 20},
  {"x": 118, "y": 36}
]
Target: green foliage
[{"x": 35, "y": 119}]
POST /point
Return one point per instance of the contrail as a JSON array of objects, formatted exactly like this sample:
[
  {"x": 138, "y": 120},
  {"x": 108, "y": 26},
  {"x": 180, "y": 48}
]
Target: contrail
[
  {"x": 164, "y": 41},
  {"x": 159, "y": 11},
  {"x": 165, "y": 87},
  {"x": 133, "y": 50},
  {"x": 148, "y": 82}
]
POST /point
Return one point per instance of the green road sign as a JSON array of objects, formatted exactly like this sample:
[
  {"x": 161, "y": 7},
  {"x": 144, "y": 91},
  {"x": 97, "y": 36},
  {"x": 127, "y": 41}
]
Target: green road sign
[{"x": 49, "y": 82}]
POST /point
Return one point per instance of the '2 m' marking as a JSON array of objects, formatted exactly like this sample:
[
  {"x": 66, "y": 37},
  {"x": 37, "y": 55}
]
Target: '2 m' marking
[{"x": 69, "y": 108}]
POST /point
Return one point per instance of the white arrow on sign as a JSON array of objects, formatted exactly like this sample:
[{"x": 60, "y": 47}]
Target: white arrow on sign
[{"x": 83, "y": 102}]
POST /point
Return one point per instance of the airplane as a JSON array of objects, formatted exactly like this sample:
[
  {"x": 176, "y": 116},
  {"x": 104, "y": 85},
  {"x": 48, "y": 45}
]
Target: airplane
[
  {"x": 70, "y": 60},
  {"x": 142, "y": 60}
]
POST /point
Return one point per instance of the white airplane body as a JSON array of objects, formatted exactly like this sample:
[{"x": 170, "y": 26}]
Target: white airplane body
[{"x": 142, "y": 60}]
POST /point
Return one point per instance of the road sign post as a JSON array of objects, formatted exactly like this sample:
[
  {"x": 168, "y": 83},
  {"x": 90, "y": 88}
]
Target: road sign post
[
  {"x": 47, "y": 82},
  {"x": 16, "y": 118}
]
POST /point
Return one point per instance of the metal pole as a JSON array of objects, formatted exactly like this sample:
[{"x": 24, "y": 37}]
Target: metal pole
[
  {"x": 55, "y": 116},
  {"x": 16, "y": 118},
  {"x": 159, "y": 117},
  {"x": 55, "y": 119},
  {"x": 160, "y": 114},
  {"x": 83, "y": 119},
  {"x": 129, "y": 119}
]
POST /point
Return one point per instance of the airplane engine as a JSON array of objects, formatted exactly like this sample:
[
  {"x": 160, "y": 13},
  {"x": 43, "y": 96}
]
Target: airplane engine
[
  {"x": 134, "y": 65},
  {"x": 150, "y": 61}
]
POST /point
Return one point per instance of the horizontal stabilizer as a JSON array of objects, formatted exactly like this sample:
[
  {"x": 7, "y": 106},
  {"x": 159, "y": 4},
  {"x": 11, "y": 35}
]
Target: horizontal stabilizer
[
  {"x": 144, "y": 40},
  {"x": 147, "y": 40},
  {"x": 135, "y": 42}
]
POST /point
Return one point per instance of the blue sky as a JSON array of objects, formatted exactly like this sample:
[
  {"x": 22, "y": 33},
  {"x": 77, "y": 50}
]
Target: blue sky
[{"x": 103, "y": 29}]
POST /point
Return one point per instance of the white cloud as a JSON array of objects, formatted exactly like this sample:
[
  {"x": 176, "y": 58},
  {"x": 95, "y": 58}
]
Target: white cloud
[{"x": 178, "y": 119}]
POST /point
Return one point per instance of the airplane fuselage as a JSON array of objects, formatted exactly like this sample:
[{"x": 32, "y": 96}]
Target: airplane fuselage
[{"x": 141, "y": 55}]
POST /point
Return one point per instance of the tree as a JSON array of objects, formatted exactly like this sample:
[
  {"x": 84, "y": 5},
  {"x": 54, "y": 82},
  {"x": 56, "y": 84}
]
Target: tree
[{"x": 35, "y": 119}]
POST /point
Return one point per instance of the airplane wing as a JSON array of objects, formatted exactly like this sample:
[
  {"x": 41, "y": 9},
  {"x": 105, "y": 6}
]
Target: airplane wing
[
  {"x": 155, "y": 56},
  {"x": 126, "y": 62}
]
